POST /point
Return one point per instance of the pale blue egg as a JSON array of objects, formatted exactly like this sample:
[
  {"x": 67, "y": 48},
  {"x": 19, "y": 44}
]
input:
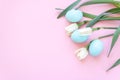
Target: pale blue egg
[
  {"x": 96, "y": 47},
  {"x": 74, "y": 15},
  {"x": 78, "y": 38}
]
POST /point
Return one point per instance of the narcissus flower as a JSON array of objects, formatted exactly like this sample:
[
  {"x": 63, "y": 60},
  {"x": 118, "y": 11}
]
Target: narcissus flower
[
  {"x": 81, "y": 53},
  {"x": 71, "y": 28},
  {"x": 81, "y": 35},
  {"x": 74, "y": 15}
]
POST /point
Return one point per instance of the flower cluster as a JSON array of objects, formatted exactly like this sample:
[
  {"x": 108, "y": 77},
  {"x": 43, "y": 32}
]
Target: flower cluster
[{"x": 81, "y": 35}]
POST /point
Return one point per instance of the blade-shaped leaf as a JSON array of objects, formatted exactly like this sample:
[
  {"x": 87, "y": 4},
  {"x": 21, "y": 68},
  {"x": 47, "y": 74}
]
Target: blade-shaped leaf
[
  {"x": 117, "y": 3},
  {"x": 88, "y": 15},
  {"x": 98, "y": 2},
  {"x": 111, "y": 18},
  {"x": 92, "y": 16},
  {"x": 115, "y": 64},
  {"x": 103, "y": 15},
  {"x": 95, "y": 20},
  {"x": 113, "y": 11},
  {"x": 68, "y": 8},
  {"x": 114, "y": 39}
]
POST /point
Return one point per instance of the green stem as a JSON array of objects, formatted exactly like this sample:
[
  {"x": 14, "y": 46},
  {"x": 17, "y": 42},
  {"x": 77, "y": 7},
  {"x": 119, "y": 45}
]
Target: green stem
[
  {"x": 88, "y": 45},
  {"x": 88, "y": 15},
  {"x": 82, "y": 23},
  {"x": 98, "y": 28},
  {"x": 105, "y": 36},
  {"x": 109, "y": 27},
  {"x": 58, "y": 9},
  {"x": 99, "y": 38}
]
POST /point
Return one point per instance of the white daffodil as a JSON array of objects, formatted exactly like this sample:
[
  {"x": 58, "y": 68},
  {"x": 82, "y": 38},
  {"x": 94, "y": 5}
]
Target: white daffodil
[
  {"x": 85, "y": 31},
  {"x": 71, "y": 28},
  {"x": 81, "y": 53}
]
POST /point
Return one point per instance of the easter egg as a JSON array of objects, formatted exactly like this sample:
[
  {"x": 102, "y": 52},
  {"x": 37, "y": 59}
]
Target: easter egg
[
  {"x": 96, "y": 47},
  {"x": 78, "y": 38},
  {"x": 74, "y": 15}
]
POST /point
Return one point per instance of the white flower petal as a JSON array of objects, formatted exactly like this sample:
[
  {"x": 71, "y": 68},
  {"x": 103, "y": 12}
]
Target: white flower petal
[
  {"x": 85, "y": 31},
  {"x": 71, "y": 28},
  {"x": 81, "y": 53}
]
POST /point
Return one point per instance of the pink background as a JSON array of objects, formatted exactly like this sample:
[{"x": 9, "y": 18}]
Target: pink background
[{"x": 34, "y": 45}]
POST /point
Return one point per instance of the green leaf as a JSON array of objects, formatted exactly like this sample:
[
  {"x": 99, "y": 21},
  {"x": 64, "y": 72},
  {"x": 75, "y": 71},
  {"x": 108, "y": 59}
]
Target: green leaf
[
  {"x": 113, "y": 11},
  {"x": 111, "y": 18},
  {"x": 95, "y": 20},
  {"x": 92, "y": 16},
  {"x": 114, "y": 39},
  {"x": 68, "y": 8},
  {"x": 98, "y": 2},
  {"x": 103, "y": 15},
  {"x": 114, "y": 65},
  {"x": 88, "y": 15},
  {"x": 117, "y": 4}
]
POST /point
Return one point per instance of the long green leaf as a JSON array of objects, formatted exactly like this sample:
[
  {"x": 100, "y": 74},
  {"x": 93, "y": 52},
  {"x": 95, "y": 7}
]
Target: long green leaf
[
  {"x": 103, "y": 15},
  {"x": 68, "y": 8},
  {"x": 92, "y": 16},
  {"x": 114, "y": 65},
  {"x": 88, "y": 15},
  {"x": 114, "y": 39},
  {"x": 111, "y": 18},
  {"x": 95, "y": 20},
  {"x": 113, "y": 11},
  {"x": 98, "y": 2}
]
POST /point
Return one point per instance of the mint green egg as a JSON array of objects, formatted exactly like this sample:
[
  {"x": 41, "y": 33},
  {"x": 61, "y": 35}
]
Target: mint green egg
[
  {"x": 96, "y": 47},
  {"x": 79, "y": 38},
  {"x": 74, "y": 15}
]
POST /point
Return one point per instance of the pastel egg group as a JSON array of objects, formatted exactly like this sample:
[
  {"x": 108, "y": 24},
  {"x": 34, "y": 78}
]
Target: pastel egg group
[
  {"x": 96, "y": 47},
  {"x": 74, "y": 15},
  {"x": 78, "y": 38}
]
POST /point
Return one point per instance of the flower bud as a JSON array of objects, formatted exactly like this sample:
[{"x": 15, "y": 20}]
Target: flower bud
[
  {"x": 85, "y": 31},
  {"x": 71, "y": 28},
  {"x": 81, "y": 53}
]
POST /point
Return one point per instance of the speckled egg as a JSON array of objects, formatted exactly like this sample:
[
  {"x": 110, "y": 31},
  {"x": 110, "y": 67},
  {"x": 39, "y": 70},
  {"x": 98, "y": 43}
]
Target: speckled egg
[
  {"x": 74, "y": 15},
  {"x": 78, "y": 38},
  {"x": 96, "y": 47}
]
